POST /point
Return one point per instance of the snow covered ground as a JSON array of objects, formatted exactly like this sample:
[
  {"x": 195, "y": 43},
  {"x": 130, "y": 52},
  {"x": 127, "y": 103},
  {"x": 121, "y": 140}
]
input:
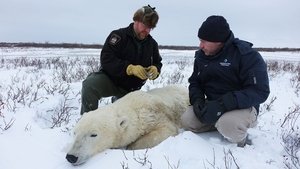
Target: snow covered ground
[{"x": 40, "y": 100}]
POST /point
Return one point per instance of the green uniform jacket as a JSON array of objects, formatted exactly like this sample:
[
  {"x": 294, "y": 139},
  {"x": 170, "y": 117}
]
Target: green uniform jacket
[{"x": 121, "y": 48}]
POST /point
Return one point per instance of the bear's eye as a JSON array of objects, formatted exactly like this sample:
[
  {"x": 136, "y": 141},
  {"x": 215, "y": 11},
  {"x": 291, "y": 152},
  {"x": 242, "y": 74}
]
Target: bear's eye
[{"x": 93, "y": 135}]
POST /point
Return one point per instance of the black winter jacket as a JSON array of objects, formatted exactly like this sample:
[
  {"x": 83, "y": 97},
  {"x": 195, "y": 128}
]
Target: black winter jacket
[
  {"x": 120, "y": 49},
  {"x": 237, "y": 68}
]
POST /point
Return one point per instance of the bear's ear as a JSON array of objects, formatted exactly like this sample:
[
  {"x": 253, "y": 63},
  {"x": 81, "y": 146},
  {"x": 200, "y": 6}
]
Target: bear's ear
[{"x": 123, "y": 122}]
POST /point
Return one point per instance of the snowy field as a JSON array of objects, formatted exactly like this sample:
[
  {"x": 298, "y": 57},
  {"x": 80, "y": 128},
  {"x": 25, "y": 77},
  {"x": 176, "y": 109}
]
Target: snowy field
[{"x": 40, "y": 101}]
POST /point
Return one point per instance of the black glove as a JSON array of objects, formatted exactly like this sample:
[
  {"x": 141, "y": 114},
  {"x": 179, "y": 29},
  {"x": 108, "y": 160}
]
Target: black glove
[
  {"x": 197, "y": 107},
  {"x": 213, "y": 110},
  {"x": 229, "y": 101}
]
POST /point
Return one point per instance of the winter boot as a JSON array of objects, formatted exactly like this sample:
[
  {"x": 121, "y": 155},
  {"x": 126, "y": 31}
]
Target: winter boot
[{"x": 245, "y": 141}]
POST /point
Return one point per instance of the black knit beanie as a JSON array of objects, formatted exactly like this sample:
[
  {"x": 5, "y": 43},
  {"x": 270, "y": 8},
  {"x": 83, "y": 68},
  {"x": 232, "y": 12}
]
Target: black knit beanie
[{"x": 214, "y": 29}]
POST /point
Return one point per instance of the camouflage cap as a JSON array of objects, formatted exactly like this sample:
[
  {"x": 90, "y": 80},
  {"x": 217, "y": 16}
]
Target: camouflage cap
[{"x": 147, "y": 15}]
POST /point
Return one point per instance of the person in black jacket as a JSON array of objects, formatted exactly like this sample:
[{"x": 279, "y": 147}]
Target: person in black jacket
[
  {"x": 228, "y": 82},
  {"x": 128, "y": 58}
]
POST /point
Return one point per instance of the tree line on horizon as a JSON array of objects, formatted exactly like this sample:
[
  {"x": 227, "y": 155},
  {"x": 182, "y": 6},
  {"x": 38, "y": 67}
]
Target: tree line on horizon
[{"x": 99, "y": 46}]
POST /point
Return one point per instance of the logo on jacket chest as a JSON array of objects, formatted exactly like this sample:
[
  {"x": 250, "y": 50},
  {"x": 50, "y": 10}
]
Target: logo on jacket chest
[{"x": 225, "y": 63}]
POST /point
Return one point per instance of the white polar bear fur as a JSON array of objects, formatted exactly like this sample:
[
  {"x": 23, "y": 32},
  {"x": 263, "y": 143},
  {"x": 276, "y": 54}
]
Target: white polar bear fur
[{"x": 138, "y": 120}]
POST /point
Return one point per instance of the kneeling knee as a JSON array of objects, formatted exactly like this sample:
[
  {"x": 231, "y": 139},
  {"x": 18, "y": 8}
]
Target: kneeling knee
[{"x": 232, "y": 130}]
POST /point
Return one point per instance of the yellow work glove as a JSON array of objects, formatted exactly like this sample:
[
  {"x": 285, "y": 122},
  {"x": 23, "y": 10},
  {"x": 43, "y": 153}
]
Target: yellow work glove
[
  {"x": 152, "y": 72},
  {"x": 137, "y": 70}
]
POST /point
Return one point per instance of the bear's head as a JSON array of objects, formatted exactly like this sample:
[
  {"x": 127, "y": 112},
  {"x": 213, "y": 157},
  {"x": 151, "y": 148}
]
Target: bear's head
[{"x": 93, "y": 135}]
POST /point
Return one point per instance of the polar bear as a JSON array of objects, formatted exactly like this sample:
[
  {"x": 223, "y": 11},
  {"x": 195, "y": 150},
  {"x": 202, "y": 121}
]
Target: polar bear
[{"x": 136, "y": 121}]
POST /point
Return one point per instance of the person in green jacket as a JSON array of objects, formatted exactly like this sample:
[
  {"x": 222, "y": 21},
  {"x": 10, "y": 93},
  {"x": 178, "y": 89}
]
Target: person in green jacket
[{"x": 129, "y": 57}]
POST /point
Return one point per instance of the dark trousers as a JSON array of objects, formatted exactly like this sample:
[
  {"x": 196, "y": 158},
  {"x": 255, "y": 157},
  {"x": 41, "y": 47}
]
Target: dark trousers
[{"x": 96, "y": 86}]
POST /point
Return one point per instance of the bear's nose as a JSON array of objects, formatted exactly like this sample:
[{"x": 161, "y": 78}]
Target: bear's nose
[{"x": 71, "y": 158}]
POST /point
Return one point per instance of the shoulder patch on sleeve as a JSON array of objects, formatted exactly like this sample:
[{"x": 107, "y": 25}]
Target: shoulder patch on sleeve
[{"x": 114, "y": 39}]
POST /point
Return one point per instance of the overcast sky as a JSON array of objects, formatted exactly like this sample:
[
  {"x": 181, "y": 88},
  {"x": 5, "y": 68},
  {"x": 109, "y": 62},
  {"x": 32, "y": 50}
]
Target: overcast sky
[{"x": 265, "y": 23}]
